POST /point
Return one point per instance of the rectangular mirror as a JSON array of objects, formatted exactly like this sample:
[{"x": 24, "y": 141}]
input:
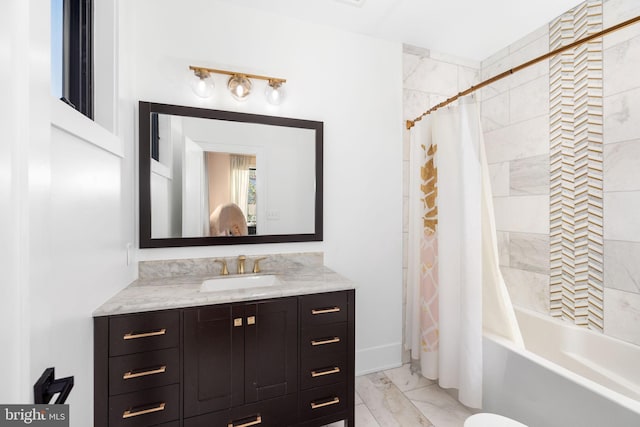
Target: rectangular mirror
[{"x": 211, "y": 177}]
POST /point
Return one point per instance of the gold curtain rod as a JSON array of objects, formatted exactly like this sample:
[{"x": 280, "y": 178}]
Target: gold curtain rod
[{"x": 411, "y": 123}]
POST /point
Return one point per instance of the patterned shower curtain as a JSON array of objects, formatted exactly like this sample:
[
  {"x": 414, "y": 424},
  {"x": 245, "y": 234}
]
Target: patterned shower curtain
[{"x": 452, "y": 253}]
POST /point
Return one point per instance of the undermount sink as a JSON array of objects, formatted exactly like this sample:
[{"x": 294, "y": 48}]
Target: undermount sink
[{"x": 239, "y": 282}]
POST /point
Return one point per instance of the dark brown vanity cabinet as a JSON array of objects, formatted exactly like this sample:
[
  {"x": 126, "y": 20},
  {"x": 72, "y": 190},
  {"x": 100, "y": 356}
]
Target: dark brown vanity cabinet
[
  {"x": 278, "y": 362},
  {"x": 239, "y": 354},
  {"x": 327, "y": 355},
  {"x": 137, "y": 370}
]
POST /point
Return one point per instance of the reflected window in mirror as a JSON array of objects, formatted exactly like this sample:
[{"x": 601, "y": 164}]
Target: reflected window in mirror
[{"x": 211, "y": 177}]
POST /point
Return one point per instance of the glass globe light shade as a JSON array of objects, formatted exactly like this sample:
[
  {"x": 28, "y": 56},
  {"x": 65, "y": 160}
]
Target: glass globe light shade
[
  {"x": 240, "y": 87},
  {"x": 202, "y": 84},
  {"x": 275, "y": 93}
]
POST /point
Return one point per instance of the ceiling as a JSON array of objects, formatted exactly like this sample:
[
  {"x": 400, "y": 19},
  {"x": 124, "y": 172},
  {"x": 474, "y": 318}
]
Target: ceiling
[{"x": 471, "y": 29}]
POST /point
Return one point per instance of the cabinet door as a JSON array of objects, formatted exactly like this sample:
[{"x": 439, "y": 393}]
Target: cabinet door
[
  {"x": 213, "y": 358},
  {"x": 271, "y": 349}
]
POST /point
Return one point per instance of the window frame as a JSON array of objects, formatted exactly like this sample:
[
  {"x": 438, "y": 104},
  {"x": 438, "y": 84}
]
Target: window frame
[{"x": 77, "y": 78}]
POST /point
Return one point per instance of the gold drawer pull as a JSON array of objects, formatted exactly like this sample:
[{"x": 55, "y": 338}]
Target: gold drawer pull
[
  {"x": 333, "y": 401},
  {"x": 326, "y": 341},
  {"x": 129, "y": 414},
  {"x": 257, "y": 421},
  {"x": 317, "y": 311},
  {"x": 334, "y": 370},
  {"x": 132, "y": 336},
  {"x": 131, "y": 374}
]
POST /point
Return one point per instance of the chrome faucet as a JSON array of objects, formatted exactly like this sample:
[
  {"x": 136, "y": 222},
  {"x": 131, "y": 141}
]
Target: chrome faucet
[{"x": 241, "y": 260}]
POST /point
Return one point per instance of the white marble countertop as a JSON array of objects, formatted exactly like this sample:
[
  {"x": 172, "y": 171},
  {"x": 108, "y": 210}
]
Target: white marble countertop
[{"x": 163, "y": 293}]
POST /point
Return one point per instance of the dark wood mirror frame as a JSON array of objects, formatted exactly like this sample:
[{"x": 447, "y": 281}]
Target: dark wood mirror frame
[{"x": 144, "y": 175}]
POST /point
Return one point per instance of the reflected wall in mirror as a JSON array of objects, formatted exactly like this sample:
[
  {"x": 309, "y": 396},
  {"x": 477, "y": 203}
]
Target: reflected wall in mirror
[{"x": 211, "y": 177}]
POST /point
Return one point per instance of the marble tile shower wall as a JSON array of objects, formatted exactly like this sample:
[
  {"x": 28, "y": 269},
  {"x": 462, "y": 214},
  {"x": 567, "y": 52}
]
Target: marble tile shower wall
[
  {"x": 429, "y": 78},
  {"x": 515, "y": 117}
]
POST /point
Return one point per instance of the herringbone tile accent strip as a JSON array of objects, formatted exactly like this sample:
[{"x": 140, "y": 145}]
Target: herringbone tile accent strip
[{"x": 576, "y": 214}]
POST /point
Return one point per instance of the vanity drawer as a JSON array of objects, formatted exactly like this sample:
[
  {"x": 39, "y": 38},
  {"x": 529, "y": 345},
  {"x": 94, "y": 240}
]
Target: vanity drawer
[
  {"x": 323, "y": 401},
  {"x": 325, "y": 339},
  {"x": 143, "y": 332},
  {"x": 276, "y": 412},
  {"x": 323, "y": 308},
  {"x": 145, "y": 408},
  {"x": 143, "y": 370},
  {"x": 323, "y": 370}
]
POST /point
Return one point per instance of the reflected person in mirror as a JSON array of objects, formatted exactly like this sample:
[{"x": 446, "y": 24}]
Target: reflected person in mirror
[{"x": 228, "y": 220}]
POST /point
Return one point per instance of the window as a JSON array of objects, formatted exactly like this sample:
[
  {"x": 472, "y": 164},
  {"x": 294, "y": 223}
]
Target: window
[
  {"x": 72, "y": 53},
  {"x": 155, "y": 137}
]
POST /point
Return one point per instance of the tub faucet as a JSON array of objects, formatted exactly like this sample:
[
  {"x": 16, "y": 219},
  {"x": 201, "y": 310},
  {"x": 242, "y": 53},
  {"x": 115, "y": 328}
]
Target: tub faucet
[{"x": 241, "y": 260}]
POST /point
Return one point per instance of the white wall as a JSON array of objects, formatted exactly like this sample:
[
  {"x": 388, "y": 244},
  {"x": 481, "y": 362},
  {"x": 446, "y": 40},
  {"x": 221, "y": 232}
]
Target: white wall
[
  {"x": 67, "y": 204},
  {"x": 350, "y": 82},
  {"x": 14, "y": 322}
]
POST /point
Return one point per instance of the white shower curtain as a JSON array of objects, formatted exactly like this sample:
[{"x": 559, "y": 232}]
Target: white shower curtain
[{"x": 452, "y": 254}]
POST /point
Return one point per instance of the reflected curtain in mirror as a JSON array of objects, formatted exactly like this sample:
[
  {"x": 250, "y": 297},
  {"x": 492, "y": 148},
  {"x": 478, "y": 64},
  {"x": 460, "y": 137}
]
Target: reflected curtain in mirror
[{"x": 240, "y": 181}]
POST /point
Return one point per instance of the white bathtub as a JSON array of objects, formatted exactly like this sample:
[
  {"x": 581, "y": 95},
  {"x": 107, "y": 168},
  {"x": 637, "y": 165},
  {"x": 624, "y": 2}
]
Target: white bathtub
[{"x": 567, "y": 376}]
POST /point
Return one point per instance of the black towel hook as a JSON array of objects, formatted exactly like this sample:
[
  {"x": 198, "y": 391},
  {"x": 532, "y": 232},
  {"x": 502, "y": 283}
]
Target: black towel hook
[{"x": 47, "y": 386}]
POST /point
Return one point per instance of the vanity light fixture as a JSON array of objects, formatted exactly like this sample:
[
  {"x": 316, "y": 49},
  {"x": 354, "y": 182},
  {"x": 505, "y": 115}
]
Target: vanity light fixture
[
  {"x": 239, "y": 84},
  {"x": 275, "y": 92}
]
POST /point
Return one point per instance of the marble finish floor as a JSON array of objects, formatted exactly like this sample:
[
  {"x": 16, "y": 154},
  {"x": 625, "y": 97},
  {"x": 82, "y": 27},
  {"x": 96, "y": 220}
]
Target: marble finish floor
[{"x": 396, "y": 397}]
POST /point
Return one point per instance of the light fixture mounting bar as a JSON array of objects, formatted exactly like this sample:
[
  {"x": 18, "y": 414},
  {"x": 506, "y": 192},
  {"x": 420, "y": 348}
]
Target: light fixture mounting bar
[{"x": 202, "y": 70}]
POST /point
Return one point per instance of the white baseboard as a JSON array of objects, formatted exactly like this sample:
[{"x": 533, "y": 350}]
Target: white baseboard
[{"x": 374, "y": 359}]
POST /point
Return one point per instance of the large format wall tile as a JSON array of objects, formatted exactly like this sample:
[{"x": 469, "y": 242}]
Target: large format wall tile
[
  {"x": 503, "y": 248},
  {"x": 529, "y": 176},
  {"x": 618, "y": 75},
  {"x": 622, "y": 315},
  {"x": 527, "y": 289},
  {"x": 621, "y": 119},
  {"x": 621, "y": 213},
  {"x": 536, "y": 48},
  {"x": 531, "y": 43},
  {"x": 529, "y": 100},
  {"x": 415, "y": 103},
  {"x": 495, "y": 112},
  {"x": 616, "y": 11},
  {"x": 622, "y": 166},
  {"x": 467, "y": 77},
  {"x": 433, "y": 76},
  {"x": 499, "y": 176},
  {"x": 521, "y": 140},
  {"x": 411, "y": 61},
  {"x": 529, "y": 252},
  {"x": 622, "y": 266},
  {"x": 524, "y": 214}
]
